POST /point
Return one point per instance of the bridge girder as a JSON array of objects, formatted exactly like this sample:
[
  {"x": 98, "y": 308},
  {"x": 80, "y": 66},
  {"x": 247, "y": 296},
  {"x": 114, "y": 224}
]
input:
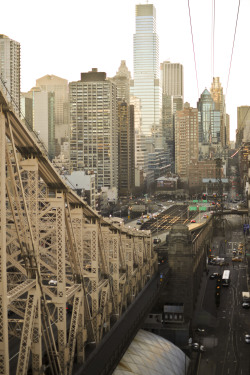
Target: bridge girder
[{"x": 56, "y": 252}]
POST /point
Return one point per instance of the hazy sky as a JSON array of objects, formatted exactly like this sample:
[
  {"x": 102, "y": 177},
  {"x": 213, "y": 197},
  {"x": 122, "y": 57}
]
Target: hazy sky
[{"x": 66, "y": 38}]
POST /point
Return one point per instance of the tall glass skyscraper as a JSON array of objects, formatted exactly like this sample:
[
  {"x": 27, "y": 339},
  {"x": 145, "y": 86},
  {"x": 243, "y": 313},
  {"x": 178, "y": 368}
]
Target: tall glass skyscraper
[
  {"x": 146, "y": 83},
  {"x": 209, "y": 120}
]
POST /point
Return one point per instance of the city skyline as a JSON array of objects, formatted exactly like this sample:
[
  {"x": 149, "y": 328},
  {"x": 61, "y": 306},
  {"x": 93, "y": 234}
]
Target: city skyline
[{"x": 78, "y": 43}]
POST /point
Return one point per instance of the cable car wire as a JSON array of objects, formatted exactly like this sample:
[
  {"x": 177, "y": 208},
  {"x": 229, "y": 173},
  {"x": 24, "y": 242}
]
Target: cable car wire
[{"x": 193, "y": 48}]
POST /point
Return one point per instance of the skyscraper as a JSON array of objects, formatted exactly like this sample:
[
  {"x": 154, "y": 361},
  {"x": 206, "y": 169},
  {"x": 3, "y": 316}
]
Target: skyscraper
[
  {"x": 219, "y": 101},
  {"x": 43, "y": 117},
  {"x": 209, "y": 120},
  {"x": 58, "y": 85},
  {"x": 10, "y": 70},
  {"x": 94, "y": 127},
  {"x": 146, "y": 83},
  {"x": 172, "y": 101},
  {"x": 172, "y": 79},
  {"x": 243, "y": 125},
  {"x": 186, "y": 139},
  {"x": 126, "y": 138}
]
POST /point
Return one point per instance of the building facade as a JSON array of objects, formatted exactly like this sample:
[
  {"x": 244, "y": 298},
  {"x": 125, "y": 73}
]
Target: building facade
[
  {"x": 243, "y": 125},
  {"x": 172, "y": 101},
  {"x": 220, "y": 105},
  {"x": 10, "y": 70},
  {"x": 146, "y": 83},
  {"x": 209, "y": 120},
  {"x": 94, "y": 127},
  {"x": 52, "y": 83},
  {"x": 172, "y": 79},
  {"x": 126, "y": 138},
  {"x": 186, "y": 140}
]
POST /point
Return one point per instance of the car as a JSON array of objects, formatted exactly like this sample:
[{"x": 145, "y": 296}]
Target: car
[
  {"x": 200, "y": 330},
  {"x": 156, "y": 240},
  {"x": 205, "y": 216},
  {"x": 236, "y": 259},
  {"x": 246, "y": 305},
  {"x": 52, "y": 282},
  {"x": 192, "y": 221},
  {"x": 196, "y": 346},
  {"x": 214, "y": 275},
  {"x": 202, "y": 348},
  {"x": 213, "y": 203},
  {"x": 247, "y": 339}
]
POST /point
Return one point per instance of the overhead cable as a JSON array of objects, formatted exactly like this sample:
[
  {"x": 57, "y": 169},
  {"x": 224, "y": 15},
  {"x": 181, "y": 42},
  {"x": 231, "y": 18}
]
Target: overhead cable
[
  {"x": 193, "y": 48},
  {"x": 233, "y": 46}
]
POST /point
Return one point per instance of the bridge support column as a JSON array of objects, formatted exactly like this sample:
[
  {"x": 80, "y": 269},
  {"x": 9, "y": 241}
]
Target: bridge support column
[
  {"x": 114, "y": 268},
  {"x": 91, "y": 235},
  {"x": 4, "y": 348},
  {"x": 130, "y": 267},
  {"x": 30, "y": 183},
  {"x": 78, "y": 221},
  {"x": 58, "y": 209}
]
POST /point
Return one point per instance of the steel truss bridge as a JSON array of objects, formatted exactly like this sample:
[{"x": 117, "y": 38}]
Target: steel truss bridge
[{"x": 56, "y": 251}]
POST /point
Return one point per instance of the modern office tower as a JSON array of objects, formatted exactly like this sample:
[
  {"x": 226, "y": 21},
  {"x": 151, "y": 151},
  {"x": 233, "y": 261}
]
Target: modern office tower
[
  {"x": 52, "y": 83},
  {"x": 209, "y": 120},
  {"x": 219, "y": 101},
  {"x": 146, "y": 83},
  {"x": 10, "y": 70},
  {"x": 126, "y": 147},
  {"x": 186, "y": 140},
  {"x": 172, "y": 101},
  {"x": 172, "y": 79},
  {"x": 58, "y": 86},
  {"x": 141, "y": 155},
  {"x": 94, "y": 127},
  {"x": 243, "y": 125},
  {"x": 26, "y": 114},
  {"x": 43, "y": 114}
]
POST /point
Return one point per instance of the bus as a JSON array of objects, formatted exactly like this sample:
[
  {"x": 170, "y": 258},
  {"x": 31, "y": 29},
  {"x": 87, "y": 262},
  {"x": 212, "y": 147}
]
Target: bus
[{"x": 226, "y": 278}]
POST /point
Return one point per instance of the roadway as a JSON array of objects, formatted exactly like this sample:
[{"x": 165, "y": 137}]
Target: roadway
[{"x": 225, "y": 324}]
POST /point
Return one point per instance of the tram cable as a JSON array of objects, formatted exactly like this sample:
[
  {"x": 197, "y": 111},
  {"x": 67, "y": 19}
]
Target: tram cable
[
  {"x": 190, "y": 20},
  {"x": 233, "y": 47}
]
